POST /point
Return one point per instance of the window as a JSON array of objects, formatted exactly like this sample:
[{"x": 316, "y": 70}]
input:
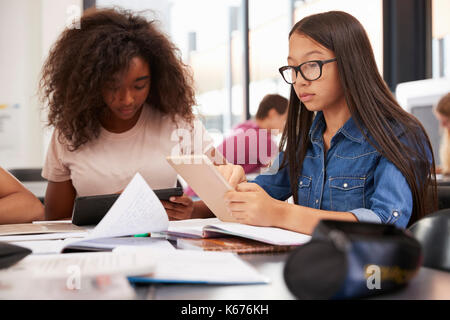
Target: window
[
  {"x": 441, "y": 38},
  {"x": 368, "y": 12}
]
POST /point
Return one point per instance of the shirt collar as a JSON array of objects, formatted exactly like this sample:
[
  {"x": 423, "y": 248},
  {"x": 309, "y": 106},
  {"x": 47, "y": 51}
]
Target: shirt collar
[{"x": 349, "y": 129}]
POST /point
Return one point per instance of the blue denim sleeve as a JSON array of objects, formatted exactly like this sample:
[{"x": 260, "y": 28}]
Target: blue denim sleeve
[
  {"x": 276, "y": 181},
  {"x": 391, "y": 201}
]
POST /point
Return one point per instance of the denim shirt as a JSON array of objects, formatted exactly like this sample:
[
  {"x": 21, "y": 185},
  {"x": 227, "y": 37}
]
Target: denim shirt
[{"x": 353, "y": 177}]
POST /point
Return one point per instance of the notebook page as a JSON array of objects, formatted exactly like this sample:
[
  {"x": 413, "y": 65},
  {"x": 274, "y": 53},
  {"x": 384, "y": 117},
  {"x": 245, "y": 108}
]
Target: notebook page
[
  {"x": 137, "y": 210},
  {"x": 191, "y": 228},
  {"x": 270, "y": 235}
]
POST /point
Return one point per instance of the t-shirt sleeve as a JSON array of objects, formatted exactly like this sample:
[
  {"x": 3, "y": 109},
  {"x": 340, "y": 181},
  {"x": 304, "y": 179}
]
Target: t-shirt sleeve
[{"x": 54, "y": 168}]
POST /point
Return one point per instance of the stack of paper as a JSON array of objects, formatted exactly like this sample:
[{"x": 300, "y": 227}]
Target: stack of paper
[
  {"x": 84, "y": 264},
  {"x": 188, "y": 266},
  {"x": 104, "y": 287},
  {"x": 40, "y": 231}
]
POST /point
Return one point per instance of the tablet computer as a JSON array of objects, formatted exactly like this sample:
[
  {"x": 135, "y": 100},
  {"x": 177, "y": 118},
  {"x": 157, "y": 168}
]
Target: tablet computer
[
  {"x": 207, "y": 182},
  {"x": 89, "y": 210}
]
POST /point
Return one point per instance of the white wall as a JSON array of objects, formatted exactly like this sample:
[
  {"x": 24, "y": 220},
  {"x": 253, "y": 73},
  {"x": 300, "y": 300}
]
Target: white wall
[
  {"x": 27, "y": 30},
  {"x": 19, "y": 68}
]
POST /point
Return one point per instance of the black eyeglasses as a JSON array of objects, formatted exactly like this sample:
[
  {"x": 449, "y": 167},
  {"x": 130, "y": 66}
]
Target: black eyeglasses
[{"x": 310, "y": 70}]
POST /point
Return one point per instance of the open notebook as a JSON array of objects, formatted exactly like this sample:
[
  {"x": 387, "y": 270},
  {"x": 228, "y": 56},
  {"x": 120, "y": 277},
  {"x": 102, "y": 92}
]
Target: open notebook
[{"x": 213, "y": 227}]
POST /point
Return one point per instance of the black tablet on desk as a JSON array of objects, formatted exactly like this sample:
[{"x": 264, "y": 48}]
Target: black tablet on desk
[{"x": 88, "y": 211}]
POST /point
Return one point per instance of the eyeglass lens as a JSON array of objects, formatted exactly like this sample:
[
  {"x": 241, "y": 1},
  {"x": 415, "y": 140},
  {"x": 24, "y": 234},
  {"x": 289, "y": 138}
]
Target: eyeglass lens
[{"x": 310, "y": 71}]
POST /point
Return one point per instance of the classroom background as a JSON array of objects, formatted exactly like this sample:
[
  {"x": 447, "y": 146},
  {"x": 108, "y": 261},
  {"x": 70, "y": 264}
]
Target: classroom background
[
  {"x": 234, "y": 48},
  {"x": 233, "y": 69}
]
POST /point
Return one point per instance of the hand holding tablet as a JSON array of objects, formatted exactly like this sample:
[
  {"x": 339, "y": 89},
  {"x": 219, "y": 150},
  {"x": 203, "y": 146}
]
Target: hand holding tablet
[{"x": 206, "y": 180}]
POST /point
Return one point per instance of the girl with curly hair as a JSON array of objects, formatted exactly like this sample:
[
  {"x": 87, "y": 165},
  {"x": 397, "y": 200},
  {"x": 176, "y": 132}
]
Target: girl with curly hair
[{"x": 116, "y": 92}]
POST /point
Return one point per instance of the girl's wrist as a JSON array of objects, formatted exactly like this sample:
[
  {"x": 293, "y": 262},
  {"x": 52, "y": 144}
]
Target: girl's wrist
[{"x": 280, "y": 214}]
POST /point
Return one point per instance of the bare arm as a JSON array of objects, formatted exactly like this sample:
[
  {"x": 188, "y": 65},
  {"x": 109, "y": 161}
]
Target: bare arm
[
  {"x": 250, "y": 204},
  {"x": 17, "y": 204},
  {"x": 59, "y": 200},
  {"x": 304, "y": 219}
]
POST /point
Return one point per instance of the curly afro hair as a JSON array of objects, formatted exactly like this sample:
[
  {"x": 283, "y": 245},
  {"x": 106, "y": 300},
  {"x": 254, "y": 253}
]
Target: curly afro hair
[{"x": 83, "y": 60}]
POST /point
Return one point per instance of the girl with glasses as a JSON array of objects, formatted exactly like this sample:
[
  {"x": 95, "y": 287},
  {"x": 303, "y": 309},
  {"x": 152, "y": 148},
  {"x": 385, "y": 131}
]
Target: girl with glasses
[{"x": 349, "y": 151}]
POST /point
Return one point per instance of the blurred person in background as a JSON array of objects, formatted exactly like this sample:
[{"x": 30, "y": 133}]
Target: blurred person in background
[{"x": 442, "y": 112}]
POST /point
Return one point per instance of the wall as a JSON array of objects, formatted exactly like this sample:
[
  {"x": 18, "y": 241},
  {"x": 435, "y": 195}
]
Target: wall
[{"x": 27, "y": 30}]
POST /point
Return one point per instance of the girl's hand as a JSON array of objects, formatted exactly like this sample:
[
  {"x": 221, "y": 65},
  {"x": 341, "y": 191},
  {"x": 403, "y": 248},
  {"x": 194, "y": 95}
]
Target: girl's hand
[
  {"x": 250, "y": 204},
  {"x": 234, "y": 174},
  {"x": 179, "y": 208}
]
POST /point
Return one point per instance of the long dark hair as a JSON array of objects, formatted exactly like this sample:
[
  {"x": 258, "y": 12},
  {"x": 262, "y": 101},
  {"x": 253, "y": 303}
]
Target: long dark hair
[
  {"x": 83, "y": 60},
  {"x": 371, "y": 105}
]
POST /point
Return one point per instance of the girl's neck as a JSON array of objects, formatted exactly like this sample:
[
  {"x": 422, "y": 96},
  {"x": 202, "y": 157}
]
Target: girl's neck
[
  {"x": 115, "y": 125},
  {"x": 335, "y": 119}
]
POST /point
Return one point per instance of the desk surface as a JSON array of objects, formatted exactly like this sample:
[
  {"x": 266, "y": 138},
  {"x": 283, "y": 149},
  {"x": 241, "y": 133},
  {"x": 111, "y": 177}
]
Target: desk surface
[{"x": 427, "y": 284}]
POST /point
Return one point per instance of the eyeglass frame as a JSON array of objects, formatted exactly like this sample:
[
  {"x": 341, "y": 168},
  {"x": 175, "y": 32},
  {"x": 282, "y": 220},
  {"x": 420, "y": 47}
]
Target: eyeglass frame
[{"x": 297, "y": 69}]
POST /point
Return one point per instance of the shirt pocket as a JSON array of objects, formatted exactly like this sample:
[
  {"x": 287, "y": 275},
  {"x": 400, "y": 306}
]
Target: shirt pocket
[
  {"x": 347, "y": 193},
  {"x": 304, "y": 190}
]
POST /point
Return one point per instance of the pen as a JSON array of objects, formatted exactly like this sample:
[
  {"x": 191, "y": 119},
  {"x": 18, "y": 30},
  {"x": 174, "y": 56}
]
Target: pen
[{"x": 142, "y": 235}]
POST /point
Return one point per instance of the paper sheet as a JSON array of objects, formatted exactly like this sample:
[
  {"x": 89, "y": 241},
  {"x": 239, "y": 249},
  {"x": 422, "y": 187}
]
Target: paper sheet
[
  {"x": 201, "y": 267},
  {"x": 190, "y": 228},
  {"x": 46, "y": 236},
  {"x": 41, "y": 228},
  {"x": 83, "y": 264},
  {"x": 137, "y": 210},
  {"x": 89, "y": 288},
  {"x": 269, "y": 235},
  {"x": 45, "y": 246},
  {"x": 112, "y": 243}
]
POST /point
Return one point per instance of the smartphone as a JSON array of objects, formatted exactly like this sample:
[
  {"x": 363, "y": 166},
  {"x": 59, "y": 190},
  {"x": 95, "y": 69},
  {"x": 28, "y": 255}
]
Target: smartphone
[{"x": 89, "y": 210}]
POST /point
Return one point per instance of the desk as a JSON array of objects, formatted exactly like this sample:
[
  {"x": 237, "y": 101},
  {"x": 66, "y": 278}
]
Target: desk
[{"x": 428, "y": 284}]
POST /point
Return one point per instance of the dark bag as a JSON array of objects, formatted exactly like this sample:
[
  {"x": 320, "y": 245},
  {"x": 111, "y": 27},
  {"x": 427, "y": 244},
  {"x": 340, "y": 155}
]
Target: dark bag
[
  {"x": 10, "y": 254},
  {"x": 350, "y": 260}
]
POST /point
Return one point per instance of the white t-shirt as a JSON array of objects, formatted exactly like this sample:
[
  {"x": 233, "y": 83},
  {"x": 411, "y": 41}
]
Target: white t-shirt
[{"x": 107, "y": 164}]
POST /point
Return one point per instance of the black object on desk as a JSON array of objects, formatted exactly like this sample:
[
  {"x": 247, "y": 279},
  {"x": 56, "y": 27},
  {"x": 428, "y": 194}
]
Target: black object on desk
[
  {"x": 433, "y": 233},
  {"x": 351, "y": 260},
  {"x": 10, "y": 254},
  {"x": 90, "y": 210}
]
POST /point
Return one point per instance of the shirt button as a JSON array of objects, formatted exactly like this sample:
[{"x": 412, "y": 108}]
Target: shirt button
[
  {"x": 301, "y": 183},
  {"x": 345, "y": 185},
  {"x": 317, "y": 201},
  {"x": 395, "y": 214}
]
